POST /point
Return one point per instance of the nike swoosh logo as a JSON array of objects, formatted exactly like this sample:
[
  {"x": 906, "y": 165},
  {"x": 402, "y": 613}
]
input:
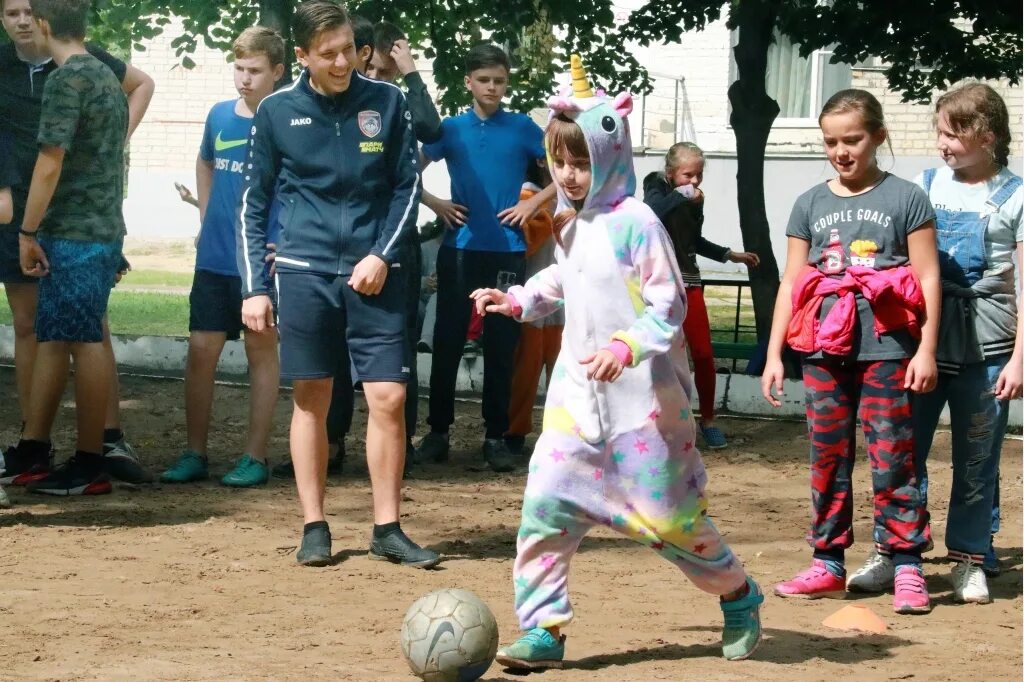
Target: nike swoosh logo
[
  {"x": 443, "y": 628},
  {"x": 222, "y": 145}
]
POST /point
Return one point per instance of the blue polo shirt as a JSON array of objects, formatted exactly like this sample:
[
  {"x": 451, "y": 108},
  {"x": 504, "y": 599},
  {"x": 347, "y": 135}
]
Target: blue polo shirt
[
  {"x": 225, "y": 141},
  {"x": 487, "y": 161}
]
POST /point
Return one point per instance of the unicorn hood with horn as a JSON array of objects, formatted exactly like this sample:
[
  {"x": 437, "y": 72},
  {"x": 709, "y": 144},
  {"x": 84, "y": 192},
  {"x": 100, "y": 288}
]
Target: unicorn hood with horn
[{"x": 605, "y": 126}]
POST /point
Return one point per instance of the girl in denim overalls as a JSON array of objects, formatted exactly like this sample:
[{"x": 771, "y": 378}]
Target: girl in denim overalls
[{"x": 978, "y": 213}]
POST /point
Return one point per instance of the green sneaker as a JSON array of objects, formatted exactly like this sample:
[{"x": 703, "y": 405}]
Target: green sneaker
[
  {"x": 191, "y": 466},
  {"x": 247, "y": 473},
  {"x": 535, "y": 650},
  {"x": 742, "y": 633}
]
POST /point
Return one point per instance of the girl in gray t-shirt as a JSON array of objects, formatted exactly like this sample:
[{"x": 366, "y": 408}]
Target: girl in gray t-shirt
[{"x": 849, "y": 238}]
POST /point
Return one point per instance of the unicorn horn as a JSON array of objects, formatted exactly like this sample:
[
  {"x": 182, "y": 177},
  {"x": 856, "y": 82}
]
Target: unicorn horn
[{"x": 580, "y": 83}]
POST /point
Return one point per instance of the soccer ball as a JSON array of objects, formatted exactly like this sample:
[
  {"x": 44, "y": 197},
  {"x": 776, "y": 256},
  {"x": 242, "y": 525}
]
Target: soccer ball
[{"x": 449, "y": 635}]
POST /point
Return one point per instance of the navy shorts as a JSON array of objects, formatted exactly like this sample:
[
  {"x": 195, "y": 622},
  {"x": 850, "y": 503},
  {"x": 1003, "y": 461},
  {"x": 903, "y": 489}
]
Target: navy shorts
[
  {"x": 320, "y": 316},
  {"x": 215, "y": 304},
  {"x": 10, "y": 267},
  {"x": 73, "y": 297}
]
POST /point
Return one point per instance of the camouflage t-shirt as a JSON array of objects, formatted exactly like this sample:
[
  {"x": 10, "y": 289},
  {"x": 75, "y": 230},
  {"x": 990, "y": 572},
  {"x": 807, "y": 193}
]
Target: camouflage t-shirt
[{"x": 85, "y": 113}]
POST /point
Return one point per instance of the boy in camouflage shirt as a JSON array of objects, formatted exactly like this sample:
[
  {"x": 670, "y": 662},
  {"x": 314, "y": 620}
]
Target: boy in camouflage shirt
[{"x": 71, "y": 239}]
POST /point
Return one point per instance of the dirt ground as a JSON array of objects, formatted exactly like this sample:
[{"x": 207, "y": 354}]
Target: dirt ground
[{"x": 199, "y": 582}]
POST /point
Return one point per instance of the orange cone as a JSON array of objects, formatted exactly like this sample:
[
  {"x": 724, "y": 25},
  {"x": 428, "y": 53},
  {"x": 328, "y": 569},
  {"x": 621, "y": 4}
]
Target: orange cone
[{"x": 856, "y": 617}]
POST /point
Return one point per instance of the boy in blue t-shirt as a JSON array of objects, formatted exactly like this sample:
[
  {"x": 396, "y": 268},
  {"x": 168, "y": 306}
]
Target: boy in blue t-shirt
[
  {"x": 488, "y": 150},
  {"x": 215, "y": 302}
]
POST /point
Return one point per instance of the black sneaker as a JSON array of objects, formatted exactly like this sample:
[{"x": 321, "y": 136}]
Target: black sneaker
[
  {"x": 21, "y": 468},
  {"x": 515, "y": 444},
  {"x": 399, "y": 549},
  {"x": 123, "y": 463},
  {"x": 82, "y": 474},
  {"x": 498, "y": 455},
  {"x": 434, "y": 447},
  {"x": 316, "y": 547}
]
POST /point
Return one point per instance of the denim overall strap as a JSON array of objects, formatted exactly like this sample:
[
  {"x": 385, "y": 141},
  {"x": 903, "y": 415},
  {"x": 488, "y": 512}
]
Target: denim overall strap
[
  {"x": 1002, "y": 194},
  {"x": 929, "y": 176}
]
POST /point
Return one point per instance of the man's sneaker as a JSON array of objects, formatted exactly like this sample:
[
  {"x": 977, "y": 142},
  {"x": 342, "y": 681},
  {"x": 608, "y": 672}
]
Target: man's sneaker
[
  {"x": 434, "y": 447},
  {"x": 990, "y": 565},
  {"x": 497, "y": 455},
  {"x": 814, "y": 583},
  {"x": 191, "y": 466},
  {"x": 399, "y": 549},
  {"x": 123, "y": 463},
  {"x": 969, "y": 583},
  {"x": 911, "y": 592},
  {"x": 535, "y": 650},
  {"x": 316, "y": 547},
  {"x": 247, "y": 473},
  {"x": 876, "y": 575},
  {"x": 22, "y": 469},
  {"x": 714, "y": 439},
  {"x": 80, "y": 475},
  {"x": 742, "y": 633},
  {"x": 5, "y": 502}
]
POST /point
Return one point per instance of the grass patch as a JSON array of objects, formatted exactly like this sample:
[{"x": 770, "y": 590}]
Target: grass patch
[
  {"x": 136, "y": 314},
  {"x": 156, "y": 279}
]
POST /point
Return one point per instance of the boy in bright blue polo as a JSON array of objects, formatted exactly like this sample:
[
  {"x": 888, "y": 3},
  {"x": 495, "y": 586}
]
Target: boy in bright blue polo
[
  {"x": 487, "y": 150},
  {"x": 215, "y": 304}
]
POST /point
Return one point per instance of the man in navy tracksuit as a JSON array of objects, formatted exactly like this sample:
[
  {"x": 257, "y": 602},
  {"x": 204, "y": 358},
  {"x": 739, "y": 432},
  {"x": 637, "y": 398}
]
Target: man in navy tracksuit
[{"x": 340, "y": 151}]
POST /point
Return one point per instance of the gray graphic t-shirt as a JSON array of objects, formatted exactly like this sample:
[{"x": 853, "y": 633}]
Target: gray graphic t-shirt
[{"x": 869, "y": 230}]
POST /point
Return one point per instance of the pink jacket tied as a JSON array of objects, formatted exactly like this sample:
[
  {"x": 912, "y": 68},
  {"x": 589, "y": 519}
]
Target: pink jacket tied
[{"x": 894, "y": 295}]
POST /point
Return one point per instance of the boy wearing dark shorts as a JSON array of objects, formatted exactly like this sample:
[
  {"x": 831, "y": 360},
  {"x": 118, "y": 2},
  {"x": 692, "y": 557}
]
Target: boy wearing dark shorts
[
  {"x": 337, "y": 149},
  {"x": 215, "y": 303},
  {"x": 71, "y": 239}
]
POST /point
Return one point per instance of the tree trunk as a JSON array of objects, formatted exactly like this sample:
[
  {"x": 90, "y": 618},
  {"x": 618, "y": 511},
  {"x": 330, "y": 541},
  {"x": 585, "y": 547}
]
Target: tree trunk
[
  {"x": 753, "y": 113},
  {"x": 277, "y": 14}
]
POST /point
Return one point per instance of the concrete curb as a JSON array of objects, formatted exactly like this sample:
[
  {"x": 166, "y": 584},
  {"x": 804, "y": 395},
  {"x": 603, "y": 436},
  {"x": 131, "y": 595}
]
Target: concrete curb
[{"x": 738, "y": 394}]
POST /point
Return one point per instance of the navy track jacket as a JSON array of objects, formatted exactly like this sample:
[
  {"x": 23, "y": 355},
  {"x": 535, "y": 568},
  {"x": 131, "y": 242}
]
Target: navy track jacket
[{"x": 344, "y": 169}]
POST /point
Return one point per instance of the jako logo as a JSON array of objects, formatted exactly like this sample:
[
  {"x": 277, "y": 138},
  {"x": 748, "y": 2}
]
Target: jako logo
[{"x": 302, "y": 121}]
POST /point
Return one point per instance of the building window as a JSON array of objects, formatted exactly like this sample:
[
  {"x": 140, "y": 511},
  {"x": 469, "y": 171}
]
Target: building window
[{"x": 801, "y": 85}]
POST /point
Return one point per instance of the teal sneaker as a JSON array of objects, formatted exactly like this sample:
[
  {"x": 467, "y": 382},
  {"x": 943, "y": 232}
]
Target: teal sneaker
[
  {"x": 535, "y": 650},
  {"x": 247, "y": 473},
  {"x": 191, "y": 466},
  {"x": 742, "y": 633}
]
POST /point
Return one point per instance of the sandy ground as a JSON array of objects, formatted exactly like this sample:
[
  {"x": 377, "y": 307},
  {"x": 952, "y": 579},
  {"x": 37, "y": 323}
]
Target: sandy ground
[{"x": 199, "y": 582}]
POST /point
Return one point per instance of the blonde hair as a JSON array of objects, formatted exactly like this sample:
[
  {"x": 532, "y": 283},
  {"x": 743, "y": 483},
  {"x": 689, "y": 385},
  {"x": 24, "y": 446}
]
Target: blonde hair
[
  {"x": 679, "y": 151},
  {"x": 257, "y": 40},
  {"x": 974, "y": 109},
  {"x": 862, "y": 103}
]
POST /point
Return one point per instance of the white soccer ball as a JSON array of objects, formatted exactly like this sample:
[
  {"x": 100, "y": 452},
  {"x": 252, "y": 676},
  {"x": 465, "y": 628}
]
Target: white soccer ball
[{"x": 449, "y": 635}]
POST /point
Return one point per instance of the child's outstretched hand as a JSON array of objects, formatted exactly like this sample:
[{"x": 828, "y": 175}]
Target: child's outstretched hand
[
  {"x": 751, "y": 260},
  {"x": 774, "y": 374},
  {"x": 603, "y": 366},
  {"x": 493, "y": 301}
]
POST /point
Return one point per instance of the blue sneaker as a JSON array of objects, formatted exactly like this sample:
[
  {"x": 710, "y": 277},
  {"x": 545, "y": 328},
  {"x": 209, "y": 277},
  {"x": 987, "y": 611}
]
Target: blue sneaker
[
  {"x": 247, "y": 473},
  {"x": 191, "y": 466},
  {"x": 535, "y": 650},
  {"x": 714, "y": 439},
  {"x": 742, "y": 633}
]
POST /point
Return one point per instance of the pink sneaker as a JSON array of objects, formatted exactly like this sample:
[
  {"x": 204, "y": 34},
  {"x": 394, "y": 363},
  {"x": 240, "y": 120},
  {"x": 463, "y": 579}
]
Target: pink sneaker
[
  {"x": 814, "y": 583},
  {"x": 911, "y": 594}
]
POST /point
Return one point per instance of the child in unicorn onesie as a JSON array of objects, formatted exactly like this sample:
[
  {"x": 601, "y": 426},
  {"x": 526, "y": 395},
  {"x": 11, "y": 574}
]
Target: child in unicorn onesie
[{"x": 617, "y": 447}]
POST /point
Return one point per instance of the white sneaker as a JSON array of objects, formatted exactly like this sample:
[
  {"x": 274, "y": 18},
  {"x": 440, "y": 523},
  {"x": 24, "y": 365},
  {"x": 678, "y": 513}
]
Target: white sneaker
[
  {"x": 876, "y": 575},
  {"x": 969, "y": 583}
]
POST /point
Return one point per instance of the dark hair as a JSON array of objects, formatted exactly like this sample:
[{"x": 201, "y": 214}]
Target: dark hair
[
  {"x": 67, "y": 18},
  {"x": 257, "y": 40},
  {"x": 313, "y": 17},
  {"x": 564, "y": 139},
  {"x": 974, "y": 109},
  {"x": 385, "y": 35},
  {"x": 485, "y": 56},
  {"x": 862, "y": 103},
  {"x": 362, "y": 32}
]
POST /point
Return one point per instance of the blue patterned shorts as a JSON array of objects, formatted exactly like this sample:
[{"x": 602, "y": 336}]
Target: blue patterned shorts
[{"x": 73, "y": 297}]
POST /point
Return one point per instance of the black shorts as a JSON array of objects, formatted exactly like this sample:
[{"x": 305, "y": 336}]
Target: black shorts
[
  {"x": 319, "y": 316},
  {"x": 215, "y": 304},
  {"x": 10, "y": 267}
]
